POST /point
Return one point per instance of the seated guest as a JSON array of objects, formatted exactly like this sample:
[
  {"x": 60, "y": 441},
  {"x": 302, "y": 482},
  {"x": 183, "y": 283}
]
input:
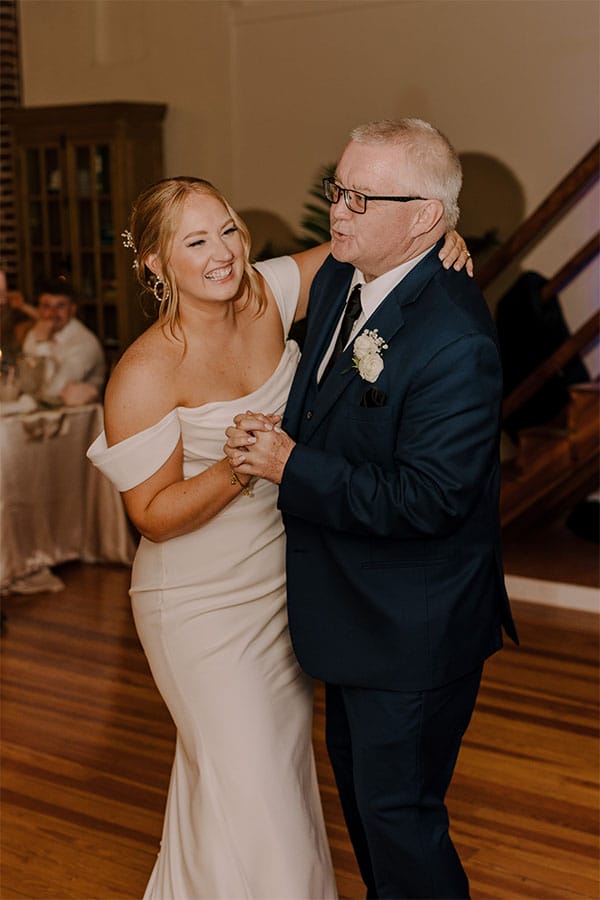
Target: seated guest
[{"x": 80, "y": 366}]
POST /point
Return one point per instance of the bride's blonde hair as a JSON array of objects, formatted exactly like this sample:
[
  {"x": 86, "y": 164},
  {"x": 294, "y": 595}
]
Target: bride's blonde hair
[{"x": 155, "y": 217}]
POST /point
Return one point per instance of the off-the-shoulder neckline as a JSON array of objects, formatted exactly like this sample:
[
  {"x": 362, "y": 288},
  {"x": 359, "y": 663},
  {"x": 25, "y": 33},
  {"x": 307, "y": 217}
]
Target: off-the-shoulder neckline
[{"x": 212, "y": 403}]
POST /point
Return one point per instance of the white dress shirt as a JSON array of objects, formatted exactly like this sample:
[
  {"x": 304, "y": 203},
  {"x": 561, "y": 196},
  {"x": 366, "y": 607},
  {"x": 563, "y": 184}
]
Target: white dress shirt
[
  {"x": 372, "y": 294},
  {"x": 77, "y": 352}
]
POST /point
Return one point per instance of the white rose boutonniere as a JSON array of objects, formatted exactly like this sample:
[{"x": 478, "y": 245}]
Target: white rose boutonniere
[{"x": 367, "y": 354}]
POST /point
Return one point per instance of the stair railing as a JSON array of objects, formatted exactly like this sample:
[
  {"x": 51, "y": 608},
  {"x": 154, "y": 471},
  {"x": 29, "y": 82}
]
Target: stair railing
[
  {"x": 536, "y": 379},
  {"x": 563, "y": 197},
  {"x": 571, "y": 189}
]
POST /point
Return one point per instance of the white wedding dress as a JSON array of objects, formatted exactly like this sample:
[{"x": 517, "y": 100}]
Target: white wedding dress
[{"x": 243, "y": 816}]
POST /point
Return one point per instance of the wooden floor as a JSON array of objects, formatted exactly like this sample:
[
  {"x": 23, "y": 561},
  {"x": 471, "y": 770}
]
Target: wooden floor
[
  {"x": 87, "y": 745},
  {"x": 551, "y": 552}
]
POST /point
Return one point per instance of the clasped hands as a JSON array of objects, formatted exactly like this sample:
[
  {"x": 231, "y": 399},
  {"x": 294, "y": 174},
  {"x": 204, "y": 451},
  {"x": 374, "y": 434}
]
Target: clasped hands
[{"x": 258, "y": 446}]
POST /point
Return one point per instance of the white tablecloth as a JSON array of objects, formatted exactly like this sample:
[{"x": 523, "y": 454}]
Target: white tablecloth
[{"x": 54, "y": 505}]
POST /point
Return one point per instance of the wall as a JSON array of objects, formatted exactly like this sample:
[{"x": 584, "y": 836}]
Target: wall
[
  {"x": 515, "y": 80},
  {"x": 513, "y": 84},
  {"x": 261, "y": 93},
  {"x": 171, "y": 51}
]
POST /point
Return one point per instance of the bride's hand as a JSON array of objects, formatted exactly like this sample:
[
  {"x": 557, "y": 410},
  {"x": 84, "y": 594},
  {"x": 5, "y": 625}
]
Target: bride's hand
[
  {"x": 455, "y": 253},
  {"x": 255, "y": 446},
  {"x": 240, "y": 435},
  {"x": 252, "y": 421}
]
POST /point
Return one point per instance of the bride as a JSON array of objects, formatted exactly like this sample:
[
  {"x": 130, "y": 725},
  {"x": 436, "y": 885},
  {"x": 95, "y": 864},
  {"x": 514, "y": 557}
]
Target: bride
[{"x": 243, "y": 816}]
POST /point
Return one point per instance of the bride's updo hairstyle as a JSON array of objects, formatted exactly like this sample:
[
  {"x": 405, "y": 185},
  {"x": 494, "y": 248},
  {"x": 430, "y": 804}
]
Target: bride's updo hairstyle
[{"x": 155, "y": 217}]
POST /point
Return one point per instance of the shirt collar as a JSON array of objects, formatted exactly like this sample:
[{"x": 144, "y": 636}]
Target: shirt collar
[
  {"x": 373, "y": 292},
  {"x": 66, "y": 332}
]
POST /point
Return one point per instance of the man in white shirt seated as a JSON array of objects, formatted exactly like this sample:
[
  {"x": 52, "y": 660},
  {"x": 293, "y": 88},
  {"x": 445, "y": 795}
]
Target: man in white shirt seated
[{"x": 78, "y": 371}]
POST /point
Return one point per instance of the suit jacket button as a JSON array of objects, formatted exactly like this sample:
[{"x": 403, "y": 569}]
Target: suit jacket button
[{"x": 309, "y": 414}]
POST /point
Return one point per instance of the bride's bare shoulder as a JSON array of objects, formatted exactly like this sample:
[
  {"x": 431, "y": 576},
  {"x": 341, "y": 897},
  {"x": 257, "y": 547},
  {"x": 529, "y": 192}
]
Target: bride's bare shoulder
[{"x": 141, "y": 389}]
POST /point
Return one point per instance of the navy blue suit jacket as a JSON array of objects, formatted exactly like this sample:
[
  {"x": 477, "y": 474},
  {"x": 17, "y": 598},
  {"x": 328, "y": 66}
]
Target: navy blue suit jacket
[{"x": 393, "y": 543}]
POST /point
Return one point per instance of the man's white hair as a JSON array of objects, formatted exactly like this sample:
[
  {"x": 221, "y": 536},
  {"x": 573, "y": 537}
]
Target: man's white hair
[{"x": 434, "y": 168}]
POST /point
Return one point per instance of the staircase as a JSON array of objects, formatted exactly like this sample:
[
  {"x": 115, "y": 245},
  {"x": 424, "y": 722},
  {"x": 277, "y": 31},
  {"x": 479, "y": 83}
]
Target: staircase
[{"x": 557, "y": 463}]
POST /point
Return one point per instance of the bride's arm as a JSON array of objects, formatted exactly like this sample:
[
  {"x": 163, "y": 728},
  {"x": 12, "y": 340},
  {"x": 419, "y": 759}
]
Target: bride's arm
[
  {"x": 309, "y": 262},
  {"x": 453, "y": 253},
  {"x": 164, "y": 505}
]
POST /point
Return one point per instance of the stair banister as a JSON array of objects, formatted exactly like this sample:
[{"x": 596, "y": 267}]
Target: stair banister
[
  {"x": 535, "y": 380},
  {"x": 571, "y": 269},
  {"x": 579, "y": 180}
]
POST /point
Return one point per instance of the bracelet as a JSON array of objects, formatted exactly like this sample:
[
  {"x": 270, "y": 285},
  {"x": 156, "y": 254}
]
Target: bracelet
[{"x": 246, "y": 488}]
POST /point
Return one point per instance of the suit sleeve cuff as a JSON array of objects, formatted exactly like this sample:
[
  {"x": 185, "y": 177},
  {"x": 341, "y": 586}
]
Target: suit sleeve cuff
[{"x": 301, "y": 487}]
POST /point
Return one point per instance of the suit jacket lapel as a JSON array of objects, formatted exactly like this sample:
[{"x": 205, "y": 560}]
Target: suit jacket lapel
[
  {"x": 325, "y": 320},
  {"x": 322, "y": 322},
  {"x": 388, "y": 319}
]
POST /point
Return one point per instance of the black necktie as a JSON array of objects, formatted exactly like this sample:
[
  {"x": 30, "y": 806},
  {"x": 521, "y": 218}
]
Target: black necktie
[{"x": 351, "y": 314}]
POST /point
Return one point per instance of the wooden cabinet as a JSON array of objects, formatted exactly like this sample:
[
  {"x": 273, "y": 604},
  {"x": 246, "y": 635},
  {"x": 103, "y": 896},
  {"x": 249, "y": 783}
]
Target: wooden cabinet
[{"x": 78, "y": 169}]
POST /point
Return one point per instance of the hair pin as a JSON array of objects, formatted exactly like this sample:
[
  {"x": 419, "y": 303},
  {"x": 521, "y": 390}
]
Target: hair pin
[{"x": 128, "y": 240}]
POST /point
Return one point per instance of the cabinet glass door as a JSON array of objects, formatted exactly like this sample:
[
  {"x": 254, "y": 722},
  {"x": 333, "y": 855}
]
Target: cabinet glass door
[
  {"x": 94, "y": 261},
  {"x": 46, "y": 235}
]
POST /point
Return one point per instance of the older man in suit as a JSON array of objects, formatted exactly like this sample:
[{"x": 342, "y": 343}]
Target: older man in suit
[{"x": 388, "y": 466}]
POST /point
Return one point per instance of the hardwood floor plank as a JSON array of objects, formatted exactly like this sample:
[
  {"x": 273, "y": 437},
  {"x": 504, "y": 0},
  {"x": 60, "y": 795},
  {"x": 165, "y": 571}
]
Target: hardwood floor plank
[{"x": 87, "y": 746}]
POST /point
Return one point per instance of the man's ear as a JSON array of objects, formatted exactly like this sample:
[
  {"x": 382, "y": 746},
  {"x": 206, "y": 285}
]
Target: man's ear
[{"x": 428, "y": 217}]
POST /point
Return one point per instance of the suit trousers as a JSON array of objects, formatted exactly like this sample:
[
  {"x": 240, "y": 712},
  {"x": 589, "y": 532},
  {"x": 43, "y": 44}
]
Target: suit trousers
[{"x": 393, "y": 754}]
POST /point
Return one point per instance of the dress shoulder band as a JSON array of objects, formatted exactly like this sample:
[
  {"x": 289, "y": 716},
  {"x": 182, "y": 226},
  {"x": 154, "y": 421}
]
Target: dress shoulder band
[
  {"x": 132, "y": 461},
  {"x": 283, "y": 277}
]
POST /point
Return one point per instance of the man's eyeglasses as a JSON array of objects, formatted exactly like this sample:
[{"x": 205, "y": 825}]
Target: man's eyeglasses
[{"x": 354, "y": 200}]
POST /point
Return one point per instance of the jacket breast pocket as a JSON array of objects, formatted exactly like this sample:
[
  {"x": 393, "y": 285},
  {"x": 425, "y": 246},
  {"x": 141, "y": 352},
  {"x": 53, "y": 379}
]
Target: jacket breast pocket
[
  {"x": 383, "y": 565},
  {"x": 369, "y": 415}
]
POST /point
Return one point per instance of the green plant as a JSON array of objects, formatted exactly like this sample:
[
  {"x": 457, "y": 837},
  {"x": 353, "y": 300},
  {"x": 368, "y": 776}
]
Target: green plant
[{"x": 315, "y": 220}]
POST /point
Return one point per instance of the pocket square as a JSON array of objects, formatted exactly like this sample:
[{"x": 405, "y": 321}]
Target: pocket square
[{"x": 373, "y": 397}]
